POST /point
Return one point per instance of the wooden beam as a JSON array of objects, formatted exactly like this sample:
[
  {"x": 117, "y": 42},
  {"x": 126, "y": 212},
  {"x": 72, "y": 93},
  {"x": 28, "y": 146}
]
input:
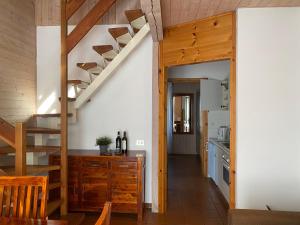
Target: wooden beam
[
  {"x": 20, "y": 160},
  {"x": 152, "y": 10},
  {"x": 64, "y": 111},
  {"x": 73, "y": 6},
  {"x": 232, "y": 111},
  {"x": 88, "y": 22},
  {"x": 7, "y": 132}
]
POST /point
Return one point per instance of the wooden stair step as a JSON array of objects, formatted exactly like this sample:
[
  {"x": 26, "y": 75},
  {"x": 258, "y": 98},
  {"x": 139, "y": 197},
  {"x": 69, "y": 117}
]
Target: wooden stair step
[
  {"x": 42, "y": 130},
  {"x": 43, "y": 148},
  {"x": 30, "y": 148},
  {"x": 31, "y": 169},
  {"x": 80, "y": 83},
  {"x": 69, "y": 99},
  {"x": 136, "y": 19},
  {"x": 53, "y": 206},
  {"x": 53, "y": 186},
  {"x": 87, "y": 66},
  {"x": 107, "y": 51},
  {"x": 71, "y": 218},
  {"x": 134, "y": 14},
  {"x": 50, "y": 115},
  {"x": 121, "y": 35}
]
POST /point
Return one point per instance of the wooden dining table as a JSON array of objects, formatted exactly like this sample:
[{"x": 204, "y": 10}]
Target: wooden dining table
[{"x": 17, "y": 221}]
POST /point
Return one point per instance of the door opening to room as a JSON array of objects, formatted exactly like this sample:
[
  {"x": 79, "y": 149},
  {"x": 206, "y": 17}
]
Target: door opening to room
[{"x": 198, "y": 141}]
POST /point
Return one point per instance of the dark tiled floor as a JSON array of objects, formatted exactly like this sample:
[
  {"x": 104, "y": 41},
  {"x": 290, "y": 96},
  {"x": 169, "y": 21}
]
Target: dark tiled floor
[{"x": 192, "y": 199}]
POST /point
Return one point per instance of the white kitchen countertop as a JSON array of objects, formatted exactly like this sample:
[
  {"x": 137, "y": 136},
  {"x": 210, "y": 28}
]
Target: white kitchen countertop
[{"x": 218, "y": 143}]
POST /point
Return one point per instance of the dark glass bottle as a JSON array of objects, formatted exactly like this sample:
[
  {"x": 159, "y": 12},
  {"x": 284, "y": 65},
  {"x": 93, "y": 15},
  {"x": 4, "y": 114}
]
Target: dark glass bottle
[
  {"x": 124, "y": 143},
  {"x": 118, "y": 142}
]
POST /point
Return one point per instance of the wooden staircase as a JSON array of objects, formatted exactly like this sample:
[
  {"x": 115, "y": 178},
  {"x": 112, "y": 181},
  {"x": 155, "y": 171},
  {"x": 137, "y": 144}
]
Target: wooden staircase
[
  {"x": 126, "y": 41},
  {"x": 28, "y": 137}
]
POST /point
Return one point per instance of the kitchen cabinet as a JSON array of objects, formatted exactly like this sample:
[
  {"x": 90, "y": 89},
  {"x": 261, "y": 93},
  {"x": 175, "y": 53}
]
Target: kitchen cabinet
[
  {"x": 212, "y": 161},
  {"x": 94, "y": 179},
  {"x": 211, "y": 95}
]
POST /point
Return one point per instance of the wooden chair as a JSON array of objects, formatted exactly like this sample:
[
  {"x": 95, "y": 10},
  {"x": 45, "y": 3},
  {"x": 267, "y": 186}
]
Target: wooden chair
[
  {"x": 20, "y": 197},
  {"x": 104, "y": 218}
]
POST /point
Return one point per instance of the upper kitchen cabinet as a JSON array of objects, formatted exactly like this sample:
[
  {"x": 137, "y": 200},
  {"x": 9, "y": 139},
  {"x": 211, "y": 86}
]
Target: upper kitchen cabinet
[
  {"x": 214, "y": 95},
  {"x": 211, "y": 95}
]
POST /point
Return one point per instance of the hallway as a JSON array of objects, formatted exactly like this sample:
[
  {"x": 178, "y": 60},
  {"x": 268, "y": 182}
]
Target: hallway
[{"x": 192, "y": 199}]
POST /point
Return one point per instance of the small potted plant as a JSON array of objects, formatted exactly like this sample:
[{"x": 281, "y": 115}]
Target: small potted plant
[{"x": 103, "y": 143}]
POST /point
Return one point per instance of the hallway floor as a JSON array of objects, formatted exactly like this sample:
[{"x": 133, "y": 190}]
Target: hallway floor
[{"x": 192, "y": 199}]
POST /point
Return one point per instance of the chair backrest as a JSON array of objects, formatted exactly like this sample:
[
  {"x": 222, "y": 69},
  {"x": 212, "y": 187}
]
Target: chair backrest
[
  {"x": 23, "y": 197},
  {"x": 104, "y": 218}
]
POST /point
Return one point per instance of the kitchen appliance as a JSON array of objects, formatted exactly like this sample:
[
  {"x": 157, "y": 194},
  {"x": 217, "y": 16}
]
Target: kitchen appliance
[
  {"x": 223, "y": 133},
  {"x": 225, "y": 171}
]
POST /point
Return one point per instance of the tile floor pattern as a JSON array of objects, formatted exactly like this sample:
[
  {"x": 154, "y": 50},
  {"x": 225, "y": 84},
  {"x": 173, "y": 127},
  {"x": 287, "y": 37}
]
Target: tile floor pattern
[{"x": 192, "y": 199}]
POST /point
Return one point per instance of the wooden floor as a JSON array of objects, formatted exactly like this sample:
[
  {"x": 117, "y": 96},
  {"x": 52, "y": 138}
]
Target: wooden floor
[{"x": 192, "y": 199}]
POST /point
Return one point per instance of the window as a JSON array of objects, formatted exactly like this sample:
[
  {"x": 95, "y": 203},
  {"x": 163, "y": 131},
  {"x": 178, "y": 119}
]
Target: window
[{"x": 182, "y": 113}]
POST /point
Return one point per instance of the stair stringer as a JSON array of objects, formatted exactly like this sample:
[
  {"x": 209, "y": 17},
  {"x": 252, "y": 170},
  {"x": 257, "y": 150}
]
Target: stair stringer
[{"x": 111, "y": 67}]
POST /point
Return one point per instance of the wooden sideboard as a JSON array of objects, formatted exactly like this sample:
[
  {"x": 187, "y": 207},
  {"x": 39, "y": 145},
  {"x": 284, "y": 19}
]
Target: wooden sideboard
[{"x": 94, "y": 179}]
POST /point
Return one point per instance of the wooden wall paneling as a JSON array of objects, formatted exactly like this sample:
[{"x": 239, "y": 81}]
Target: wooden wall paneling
[
  {"x": 17, "y": 60},
  {"x": 232, "y": 110},
  {"x": 162, "y": 140},
  {"x": 73, "y": 6},
  {"x": 203, "y": 40},
  {"x": 155, "y": 125}
]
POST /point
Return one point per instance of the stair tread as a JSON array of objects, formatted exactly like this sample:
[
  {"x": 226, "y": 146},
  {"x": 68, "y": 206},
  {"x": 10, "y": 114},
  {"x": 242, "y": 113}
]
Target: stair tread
[
  {"x": 69, "y": 99},
  {"x": 134, "y": 14},
  {"x": 47, "y": 115},
  {"x": 54, "y": 185},
  {"x": 42, "y": 130},
  {"x": 103, "y": 48},
  {"x": 77, "y": 82},
  {"x": 118, "y": 31},
  {"x": 52, "y": 206},
  {"x": 42, "y": 148},
  {"x": 31, "y": 148},
  {"x": 31, "y": 169},
  {"x": 87, "y": 66}
]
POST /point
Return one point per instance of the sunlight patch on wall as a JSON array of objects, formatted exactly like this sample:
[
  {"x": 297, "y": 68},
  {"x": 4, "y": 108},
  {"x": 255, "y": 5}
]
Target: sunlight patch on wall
[{"x": 46, "y": 105}]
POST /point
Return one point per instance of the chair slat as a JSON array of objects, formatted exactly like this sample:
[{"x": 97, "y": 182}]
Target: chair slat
[
  {"x": 21, "y": 201},
  {"x": 28, "y": 201},
  {"x": 7, "y": 201},
  {"x": 15, "y": 201},
  {"x": 35, "y": 202},
  {"x": 24, "y": 192},
  {"x": 1, "y": 198}
]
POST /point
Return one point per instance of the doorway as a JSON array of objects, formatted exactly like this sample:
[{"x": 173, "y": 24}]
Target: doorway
[{"x": 217, "y": 44}]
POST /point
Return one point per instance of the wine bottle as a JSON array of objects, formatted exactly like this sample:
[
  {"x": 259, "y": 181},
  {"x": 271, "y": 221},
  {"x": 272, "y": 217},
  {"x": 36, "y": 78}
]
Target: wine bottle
[
  {"x": 118, "y": 142},
  {"x": 124, "y": 143}
]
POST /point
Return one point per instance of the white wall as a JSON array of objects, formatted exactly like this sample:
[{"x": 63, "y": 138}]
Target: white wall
[
  {"x": 213, "y": 70},
  {"x": 186, "y": 143},
  {"x": 268, "y": 108},
  {"x": 123, "y": 103},
  {"x": 215, "y": 120}
]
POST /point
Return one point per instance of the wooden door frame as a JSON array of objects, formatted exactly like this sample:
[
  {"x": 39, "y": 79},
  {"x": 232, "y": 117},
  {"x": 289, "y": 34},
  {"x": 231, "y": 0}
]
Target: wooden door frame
[{"x": 162, "y": 146}]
